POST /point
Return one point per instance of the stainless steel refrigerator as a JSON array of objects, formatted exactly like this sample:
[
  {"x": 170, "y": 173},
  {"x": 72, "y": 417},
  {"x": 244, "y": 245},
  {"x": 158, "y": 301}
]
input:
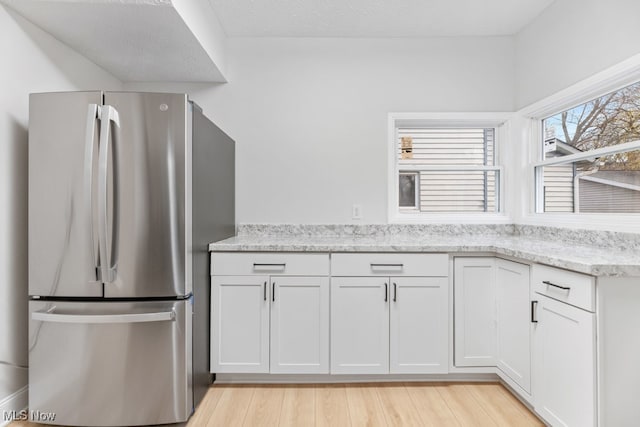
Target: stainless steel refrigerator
[{"x": 126, "y": 190}]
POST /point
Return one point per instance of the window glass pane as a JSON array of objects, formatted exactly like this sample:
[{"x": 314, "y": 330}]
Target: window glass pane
[
  {"x": 558, "y": 190},
  {"x": 424, "y": 189},
  {"x": 434, "y": 146},
  {"x": 607, "y": 184},
  {"x": 459, "y": 191},
  {"x": 407, "y": 190},
  {"x": 605, "y": 121}
]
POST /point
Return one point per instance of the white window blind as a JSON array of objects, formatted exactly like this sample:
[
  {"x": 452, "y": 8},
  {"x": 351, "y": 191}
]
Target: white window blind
[{"x": 455, "y": 168}]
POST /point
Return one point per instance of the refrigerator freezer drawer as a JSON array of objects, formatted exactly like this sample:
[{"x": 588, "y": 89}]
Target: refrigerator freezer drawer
[{"x": 110, "y": 363}]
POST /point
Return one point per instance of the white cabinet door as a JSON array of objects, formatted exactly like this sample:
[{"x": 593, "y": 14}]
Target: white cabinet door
[
  {"x": 240, "y": 324},
  {"x": 419, "y": 325},
  {"x": 475, "y": 311},
  {"x": 514, "y": 322},
  {"x": 565, "y": 369},
  {"x": 359, "y": 325},
  {"x": 300, "y": 325}
]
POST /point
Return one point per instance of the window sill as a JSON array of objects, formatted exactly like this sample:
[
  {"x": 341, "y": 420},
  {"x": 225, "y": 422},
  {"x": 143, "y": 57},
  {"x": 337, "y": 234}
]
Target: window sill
[
  {"x": 449, "y": 218},
  {"x": 624, "y": 223}
]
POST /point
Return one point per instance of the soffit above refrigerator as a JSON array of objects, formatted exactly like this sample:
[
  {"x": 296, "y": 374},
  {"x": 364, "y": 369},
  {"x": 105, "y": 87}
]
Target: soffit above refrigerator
[{"x": 136, "y": 40}]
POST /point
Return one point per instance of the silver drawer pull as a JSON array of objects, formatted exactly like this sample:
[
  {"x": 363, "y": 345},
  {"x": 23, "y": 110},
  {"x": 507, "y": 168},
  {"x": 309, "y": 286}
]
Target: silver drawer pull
[
  {"x": 564, "y": 288},
  {"x": 269, "y": 266},
  {"x": 49, "y": 316},
  {"x": 387, "y": 266}
]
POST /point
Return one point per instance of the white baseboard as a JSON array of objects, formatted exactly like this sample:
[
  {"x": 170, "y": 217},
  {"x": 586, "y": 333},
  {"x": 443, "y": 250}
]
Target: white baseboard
[
  {"x": 516, "y": 390},
  {"x": 328, "y": 378},
  {"x": 15, "y": 402}
]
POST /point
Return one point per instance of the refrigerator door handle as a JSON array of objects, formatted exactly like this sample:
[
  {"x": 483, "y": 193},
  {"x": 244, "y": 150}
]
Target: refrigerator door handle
[
  {"x": 93, "y": 115},
  {"x": 108, "y": 257},
  {"x": 50, "y": 316}
]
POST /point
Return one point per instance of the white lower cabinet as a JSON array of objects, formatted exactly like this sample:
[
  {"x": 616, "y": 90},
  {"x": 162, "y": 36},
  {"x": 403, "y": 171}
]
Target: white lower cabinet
[
  {"x": 564, "y": 348},
  {"x": 300, "y": 325},
  {"x": 270, "y": 323},
  {"x": 493, "y": 317},
  {"x": 419, "y": 325},
  {"x": 475, "y": 311},
  {"x": 565, "y": 393},
  {"x": 389, "y": 323},
  {"x": 395, "y": 325},
  {"x": 295, "y": 341},
  {"x": 514, "y": 323},
  {"x": 359, "y": 325},
  {"x": 239, "y": 324}
]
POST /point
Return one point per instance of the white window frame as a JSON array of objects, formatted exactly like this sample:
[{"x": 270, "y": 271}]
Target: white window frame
[
  {"x": 609, "y": 80},
  {"x": 499, "y": 121}
]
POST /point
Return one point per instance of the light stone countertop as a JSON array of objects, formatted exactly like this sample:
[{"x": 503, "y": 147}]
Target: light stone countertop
[{"x": 589, "y": 258}]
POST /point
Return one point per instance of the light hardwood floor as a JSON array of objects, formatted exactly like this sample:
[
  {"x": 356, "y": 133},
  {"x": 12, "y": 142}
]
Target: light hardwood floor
[
  {"x": 336, "y": 405},
  {"x": 389, "y": 404}
]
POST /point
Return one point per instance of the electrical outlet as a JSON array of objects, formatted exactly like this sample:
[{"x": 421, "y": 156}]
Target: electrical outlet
[{"x": 356, "y": 211}]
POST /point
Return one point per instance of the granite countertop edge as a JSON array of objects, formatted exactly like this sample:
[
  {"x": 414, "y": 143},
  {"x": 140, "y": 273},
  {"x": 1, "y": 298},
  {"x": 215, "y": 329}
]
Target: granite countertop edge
[{"x": 583, "y": 259}]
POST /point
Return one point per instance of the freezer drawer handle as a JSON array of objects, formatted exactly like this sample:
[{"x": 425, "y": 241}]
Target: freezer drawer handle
[{"x": 49, "y": 316}]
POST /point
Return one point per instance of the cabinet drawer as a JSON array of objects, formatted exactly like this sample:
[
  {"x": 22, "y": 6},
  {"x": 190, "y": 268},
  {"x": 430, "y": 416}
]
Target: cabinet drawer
[
  {"x": 573, "y": 288},
  {"x": 384, "y": 264},
  {"x": 271, "y": 263}
]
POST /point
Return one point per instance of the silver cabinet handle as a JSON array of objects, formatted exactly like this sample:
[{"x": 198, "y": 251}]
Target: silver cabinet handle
[
  {"x": 93, "y": 115},
  {"x": 265, "y": 290},
  {"x": 395, "y": 292},
  {"x": 534, "y": 306},
  {"x": 384, "y": 266},
  {"x": 564, "y": 288},
  {"x": 386, "y": 292},
  {"x": 107, "y": 258},
  {"x": 269, "y": 266},
  {"x": 49, "y": 316}
]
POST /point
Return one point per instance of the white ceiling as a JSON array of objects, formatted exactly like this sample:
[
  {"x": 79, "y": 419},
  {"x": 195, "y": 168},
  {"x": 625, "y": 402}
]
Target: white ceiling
[
  {"x": 375, "y": 18},
  {"x": 136, "y": 40},
  {"x": 178, "y": 40}
]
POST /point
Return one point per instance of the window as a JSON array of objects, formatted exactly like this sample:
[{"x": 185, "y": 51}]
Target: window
[
  {"x": 444, "y": 166},
  {"x": 591, "y": 156}
]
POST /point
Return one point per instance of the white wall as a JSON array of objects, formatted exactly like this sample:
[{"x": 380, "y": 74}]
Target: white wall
[
  {"x": 572, "y": 40},
  {"x": 573, "y": 51},
  {"x": 310, "y": 115},
  {"x": 30, "y": 61},
  {"x": 198, "y": 15}
]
